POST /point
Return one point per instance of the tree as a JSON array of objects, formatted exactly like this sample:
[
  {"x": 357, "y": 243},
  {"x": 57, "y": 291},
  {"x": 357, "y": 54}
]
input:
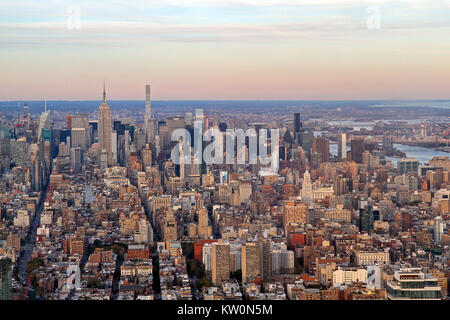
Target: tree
[
  {"x": 93, "y": 283},
  {"x": 34, "y": 264},
  {"x": 188, "y": 249},
  {"x": 236, "y": 275},
  {"x": 97, "y": 243},
  {"x": 202, "y": 282}
]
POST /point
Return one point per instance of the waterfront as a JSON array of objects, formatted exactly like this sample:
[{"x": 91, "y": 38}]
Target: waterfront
[
  {"x": 368, "y": 125},
  {"x": 422, "y": 154}
]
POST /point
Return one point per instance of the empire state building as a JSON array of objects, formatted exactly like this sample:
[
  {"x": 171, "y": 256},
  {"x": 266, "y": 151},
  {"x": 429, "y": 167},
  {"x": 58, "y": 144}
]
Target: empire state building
[{"x": 105, "y": 129}]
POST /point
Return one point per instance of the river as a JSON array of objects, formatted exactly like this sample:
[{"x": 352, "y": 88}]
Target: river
[{"x": 422, "y": 154}]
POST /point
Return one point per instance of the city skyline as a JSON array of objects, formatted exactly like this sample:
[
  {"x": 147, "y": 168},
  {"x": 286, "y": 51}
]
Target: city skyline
[
  {"x": 103, "y": 210},
  {"x": 226, "y": 155}
]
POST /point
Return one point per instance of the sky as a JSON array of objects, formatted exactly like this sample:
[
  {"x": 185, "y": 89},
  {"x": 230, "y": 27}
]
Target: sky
[{"x": 225, "y": 49}]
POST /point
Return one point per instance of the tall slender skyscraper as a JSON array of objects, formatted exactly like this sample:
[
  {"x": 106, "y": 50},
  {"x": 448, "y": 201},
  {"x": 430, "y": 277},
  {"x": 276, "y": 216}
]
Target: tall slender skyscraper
[
  {"x": 181, "y": 161},
  {"x": 438, "y": 229},
  {"x": 148, "y": 107},
  {"x": 44, "y": 121},
  {"x": 216, "y": 121},
  {"x": 342, "y": 146},
  {"x": 297, "y": 123},
  {"x": 105, "y": 129}
]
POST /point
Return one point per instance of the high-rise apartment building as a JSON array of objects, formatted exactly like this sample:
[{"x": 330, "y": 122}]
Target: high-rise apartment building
[
  {"x": 321, "y": 145},
  {"x": 245, "y": 191},
  {"x": 282, "y": 261},
  {"x": 438, "y": 229},
  {"x": 408, "y": 165},
  {"x": 220, "y": 265},
  {"x": 203, "y": 229},
  {"x": 5, "y": 278},
  {"x": 76, "y": 159},
  {"x": 357, "y": 149},
  {"x": 251, "y": 263},
  {"x": 342, "y": 146}
]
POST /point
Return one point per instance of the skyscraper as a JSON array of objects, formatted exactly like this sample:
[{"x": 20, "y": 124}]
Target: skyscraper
[
  {"x": 220, "y": 262},
  {"x": 407, "y": 165},
  {"x": 182, "y": 167},
  {"x": 251, "y": 262},
  {"x": 5, "y": 278},
  {"x": 203, "y": 229},
  {"x": 216, "y": 120},
  {"x": 306, "y": 193},
  {"x": 438, "y": 229},
  {"x": 297, "y": 123},
  {"x": 105, "y": 129},
  {"x": 152, "y": 131},
  {"x": 147, "y": 156},
  {"x": 322, "y": 145},
  {"x": 81, "y": 133},
  {"x": 342, "y": 146},
  {"x": 79, "y": 137},
  {"x": 76, "y": 159},
  {"x": 282, "y": 261},
  {"x": 357, "y": 149},
  {"x": 170, "y": 226},
  {"x": 44, "y": 121},
  {"x": 148, "y": 107},
  {"x": 366, "y": 218},
  {"x": 305, "y": 140}
]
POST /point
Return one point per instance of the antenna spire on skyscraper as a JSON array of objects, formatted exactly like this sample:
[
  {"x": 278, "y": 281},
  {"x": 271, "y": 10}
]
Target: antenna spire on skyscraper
[{"x": 104, "y": 92}]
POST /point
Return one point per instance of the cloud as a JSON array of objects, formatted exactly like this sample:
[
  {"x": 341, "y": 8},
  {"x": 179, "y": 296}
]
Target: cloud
[{"x": 129, "y": 21}]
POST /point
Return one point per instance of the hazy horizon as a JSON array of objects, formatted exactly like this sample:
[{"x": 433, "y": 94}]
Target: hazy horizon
[{"x": 224, "y": 99}]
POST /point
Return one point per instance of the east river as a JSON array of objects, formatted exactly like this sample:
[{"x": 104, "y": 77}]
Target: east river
[{"x": 422, "y": 154}]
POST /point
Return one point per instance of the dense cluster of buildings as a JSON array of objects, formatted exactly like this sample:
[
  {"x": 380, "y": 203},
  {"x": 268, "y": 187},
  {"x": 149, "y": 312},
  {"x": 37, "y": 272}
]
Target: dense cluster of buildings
[{"x": 100, "y": 210}]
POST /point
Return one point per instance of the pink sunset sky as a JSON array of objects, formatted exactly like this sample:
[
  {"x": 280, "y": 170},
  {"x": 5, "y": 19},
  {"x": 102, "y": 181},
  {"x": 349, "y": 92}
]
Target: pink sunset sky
[{"x": 204, "y": 49}]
